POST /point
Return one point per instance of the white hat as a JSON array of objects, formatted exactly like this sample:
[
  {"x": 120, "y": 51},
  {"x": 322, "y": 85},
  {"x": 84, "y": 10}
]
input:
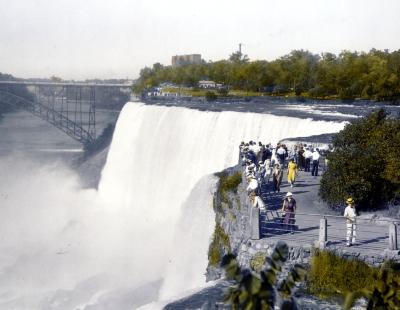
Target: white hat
[{"x": 289, "y": 194}]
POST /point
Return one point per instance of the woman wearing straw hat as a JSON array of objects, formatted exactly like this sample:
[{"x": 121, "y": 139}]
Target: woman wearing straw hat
[
  {"x": 288, "y": 210},
  {"x": 350, "y": 215}
]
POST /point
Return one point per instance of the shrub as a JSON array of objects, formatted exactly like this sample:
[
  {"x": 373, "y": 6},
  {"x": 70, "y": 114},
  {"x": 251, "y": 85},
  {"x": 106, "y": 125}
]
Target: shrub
[
  {"x": 259, "y": 290},
  {"x": 210, "y": 95},
  {"x": 223, "y": 91},
  {"x": 318, "y": 91},
  {"x": 220, "y": 246},
  {"x": 333, "y": 276},
  {"x": 257, "y": 261},
  {"x": 364, "y": 163},
  {"x": 228, "y": 183},
  {"x": 384, "y": 293},
  {"x": 231, "y": 216}
]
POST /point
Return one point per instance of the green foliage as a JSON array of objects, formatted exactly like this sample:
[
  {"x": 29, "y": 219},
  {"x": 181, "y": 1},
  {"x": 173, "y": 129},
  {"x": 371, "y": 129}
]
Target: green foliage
[
  {"x": 258, "y": 290},
  {"x": 210, "y": 95},
  {"x": 384, "y": 293},
  {"x": 238, "y": 203},
  {"x": 6, "y": 77},
  {"x": 257, "y": 261},
  {"x": 332, "y": 276},
  {"x": 349, "y": 75},
  {"x": 223, "y": 92},
  {"x": 228, "y": 183},
  {"x": 238, "y": 58},
  {"x": 364, "y": 163},
  {"x": 231, "y": 216},
  {"x": 220, "y": 245}
]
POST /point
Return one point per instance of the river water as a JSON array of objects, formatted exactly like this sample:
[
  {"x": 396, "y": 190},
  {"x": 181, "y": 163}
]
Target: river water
[{"x": 23, "y": 134}]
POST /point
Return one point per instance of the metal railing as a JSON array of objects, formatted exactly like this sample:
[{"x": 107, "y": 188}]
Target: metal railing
[
  {"x": 323, "y": 230},
  {"x": 318, "y": 229}
]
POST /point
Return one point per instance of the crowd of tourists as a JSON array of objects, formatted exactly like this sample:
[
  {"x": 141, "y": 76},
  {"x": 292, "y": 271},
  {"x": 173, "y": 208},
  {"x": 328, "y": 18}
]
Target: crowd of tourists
[{"x": 265, "y": 164}]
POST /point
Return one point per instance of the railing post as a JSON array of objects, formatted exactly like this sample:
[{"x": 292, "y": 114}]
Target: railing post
[
  {"x": 255, "y": 223},
  {"x": 323, "y": 233},
  {"x": 392, "y": 236}
]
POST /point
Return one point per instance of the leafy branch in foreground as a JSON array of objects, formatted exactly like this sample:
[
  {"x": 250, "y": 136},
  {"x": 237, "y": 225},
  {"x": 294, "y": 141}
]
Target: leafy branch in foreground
[
  {"x": 384, "y": 294},
  {"x": 259, "y": 290}
]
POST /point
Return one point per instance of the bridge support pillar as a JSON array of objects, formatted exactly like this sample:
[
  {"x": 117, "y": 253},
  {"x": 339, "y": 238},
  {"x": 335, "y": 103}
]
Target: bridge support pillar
[
  {"x": 255, "y": 223},
  {"x": 323, "y": 233},
  {"x": 393, "y": 237}
]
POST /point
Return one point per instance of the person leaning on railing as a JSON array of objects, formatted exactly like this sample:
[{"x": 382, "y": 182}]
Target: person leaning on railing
[{"x": 350, "y": 215}]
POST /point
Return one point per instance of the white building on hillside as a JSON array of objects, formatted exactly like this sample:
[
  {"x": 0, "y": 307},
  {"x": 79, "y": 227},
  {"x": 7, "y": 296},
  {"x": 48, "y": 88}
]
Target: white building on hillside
[{"x": 207, "y": 84}]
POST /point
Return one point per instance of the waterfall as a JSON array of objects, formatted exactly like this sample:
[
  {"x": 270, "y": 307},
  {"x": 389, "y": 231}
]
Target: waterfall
[
  {"x": 143, "y": 236},
  {"x": 157, "y": 156}
]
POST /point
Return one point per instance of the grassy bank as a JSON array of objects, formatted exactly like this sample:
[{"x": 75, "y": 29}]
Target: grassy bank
[
  {"x": 333, "y": 277},
  {"x": 237, "y": 93},
  {"x": 228, "y": 183}
]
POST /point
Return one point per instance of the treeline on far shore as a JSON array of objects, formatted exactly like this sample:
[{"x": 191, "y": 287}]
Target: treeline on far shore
[{"x": 349, "y": 75}]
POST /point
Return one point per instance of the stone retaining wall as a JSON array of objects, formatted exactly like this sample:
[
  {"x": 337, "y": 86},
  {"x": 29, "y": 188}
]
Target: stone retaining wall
[{"x": 234, "y": 215}]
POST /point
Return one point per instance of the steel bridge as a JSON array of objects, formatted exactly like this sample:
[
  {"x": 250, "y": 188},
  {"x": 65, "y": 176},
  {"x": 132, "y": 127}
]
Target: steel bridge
[{"x": 71, "y": 107}]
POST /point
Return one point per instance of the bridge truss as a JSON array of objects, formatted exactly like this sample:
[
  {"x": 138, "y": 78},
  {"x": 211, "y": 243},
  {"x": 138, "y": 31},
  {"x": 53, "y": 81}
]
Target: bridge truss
[{"x": 71, "y": 107}]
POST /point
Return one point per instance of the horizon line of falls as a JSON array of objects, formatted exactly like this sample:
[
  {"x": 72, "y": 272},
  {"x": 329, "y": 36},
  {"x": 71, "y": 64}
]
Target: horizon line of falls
[{"x": 143, "y": 236}]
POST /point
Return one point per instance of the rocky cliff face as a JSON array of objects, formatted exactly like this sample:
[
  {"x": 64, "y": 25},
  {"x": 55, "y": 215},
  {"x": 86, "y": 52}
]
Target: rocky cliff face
[
  {"x": 232, "y": 228},
  {"x": 232, "y": 232},
  {"x": 231, "y": 219}
]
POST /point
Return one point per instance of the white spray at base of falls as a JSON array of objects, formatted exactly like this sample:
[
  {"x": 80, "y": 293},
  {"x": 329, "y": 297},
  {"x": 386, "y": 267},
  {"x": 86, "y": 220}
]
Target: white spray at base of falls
[
  {"x": 186, "y": 266},
  {"x": 65, "y": 248},
  {"x": 187, "y": 260},
  {"x": 159, "y": 153}
]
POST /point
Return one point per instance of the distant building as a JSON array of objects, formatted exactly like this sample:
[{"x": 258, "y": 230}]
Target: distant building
[
  {"x": 210, "y": 85},
  {"x": 207, "y": 84},
  {"x": 180, "y": 60},
  {"x": 168, "y": 84}
]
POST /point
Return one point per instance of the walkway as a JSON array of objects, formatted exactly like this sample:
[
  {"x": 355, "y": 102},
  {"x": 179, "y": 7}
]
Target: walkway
[{"x": 371, "y": 237}]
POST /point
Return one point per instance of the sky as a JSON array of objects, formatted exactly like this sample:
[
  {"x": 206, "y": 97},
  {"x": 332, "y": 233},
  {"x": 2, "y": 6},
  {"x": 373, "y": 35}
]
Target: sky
[{"x": 81, "y": 39}]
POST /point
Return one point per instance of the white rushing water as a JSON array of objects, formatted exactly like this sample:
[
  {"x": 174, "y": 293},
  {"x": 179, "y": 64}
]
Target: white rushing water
[
  {"x": 157, "y": 156},
  {"x": 151, "y": 218}
]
